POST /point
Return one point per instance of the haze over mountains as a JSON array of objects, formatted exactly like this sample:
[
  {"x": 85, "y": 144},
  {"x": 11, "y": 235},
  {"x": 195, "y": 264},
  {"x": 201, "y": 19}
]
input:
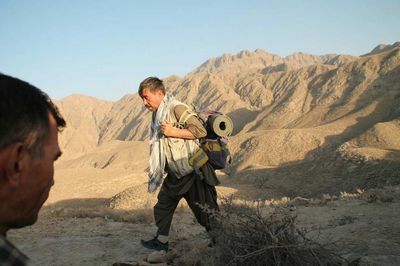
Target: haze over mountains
[{"x": 300, "y": 110}]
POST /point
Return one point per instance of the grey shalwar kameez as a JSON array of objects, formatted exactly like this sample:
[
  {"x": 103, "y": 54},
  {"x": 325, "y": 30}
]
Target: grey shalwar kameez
[{"x": 197, "y": 191}]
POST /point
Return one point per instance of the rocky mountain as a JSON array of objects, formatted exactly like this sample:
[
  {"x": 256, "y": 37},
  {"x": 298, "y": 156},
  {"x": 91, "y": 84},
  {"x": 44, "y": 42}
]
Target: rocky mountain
[
  {"x": 383, "y": 47},
  {"x": 83, "y": 115},
  {"x": 286, "y": 109},
  {"x": 229, "y": 83},
  {"x": 247, "y": 61}
]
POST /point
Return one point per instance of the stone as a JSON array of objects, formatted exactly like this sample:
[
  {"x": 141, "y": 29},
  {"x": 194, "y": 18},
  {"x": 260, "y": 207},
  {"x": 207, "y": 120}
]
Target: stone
[
  {"x": 299, "y": 201},
  {"x": 326, "y": 197},
  {"x": 157, "y": 257}
]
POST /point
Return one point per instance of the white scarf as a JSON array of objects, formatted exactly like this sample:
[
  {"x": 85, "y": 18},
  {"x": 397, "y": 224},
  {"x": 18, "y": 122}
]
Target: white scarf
[{"x": 157, "y": 160}]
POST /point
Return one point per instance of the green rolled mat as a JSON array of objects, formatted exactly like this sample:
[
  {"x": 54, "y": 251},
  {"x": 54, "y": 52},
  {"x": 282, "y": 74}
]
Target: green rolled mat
[{"x": 222, "y": 125}]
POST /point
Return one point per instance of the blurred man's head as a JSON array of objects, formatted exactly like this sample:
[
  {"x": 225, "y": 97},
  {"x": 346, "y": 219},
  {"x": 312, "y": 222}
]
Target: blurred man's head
[
  {"x": 152, "y": 92},
  {"x": 29, "y": 126}
]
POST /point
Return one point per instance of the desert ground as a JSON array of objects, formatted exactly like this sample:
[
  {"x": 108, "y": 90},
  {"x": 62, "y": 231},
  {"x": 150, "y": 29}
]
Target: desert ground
[{"x": 100, "y": 219}]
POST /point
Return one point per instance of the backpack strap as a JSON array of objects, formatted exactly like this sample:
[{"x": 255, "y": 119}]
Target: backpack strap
[{"x": 185, "y": 117}]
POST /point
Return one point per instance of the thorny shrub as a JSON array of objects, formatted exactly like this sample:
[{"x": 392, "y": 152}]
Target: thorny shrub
[{"x": 256, "y": 234}]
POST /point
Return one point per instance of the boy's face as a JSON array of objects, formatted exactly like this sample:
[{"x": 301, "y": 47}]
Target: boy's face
[{"x": 152, "y": 100}]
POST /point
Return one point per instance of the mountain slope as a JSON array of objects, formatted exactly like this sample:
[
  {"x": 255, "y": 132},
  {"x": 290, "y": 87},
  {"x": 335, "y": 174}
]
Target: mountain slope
[
  {"x": 83, "y": 115},
  {"x": 292, "y": 110}
]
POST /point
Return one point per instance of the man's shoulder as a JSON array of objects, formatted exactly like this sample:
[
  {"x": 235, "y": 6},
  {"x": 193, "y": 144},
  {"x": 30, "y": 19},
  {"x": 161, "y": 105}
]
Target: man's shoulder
[
  {"x": 176, "y": 103},
  {"x": 179, "y": 108}
]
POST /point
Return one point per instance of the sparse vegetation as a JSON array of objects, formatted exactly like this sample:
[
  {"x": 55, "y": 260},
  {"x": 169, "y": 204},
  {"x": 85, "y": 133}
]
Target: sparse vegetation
[{"x": 261, "y": 235}]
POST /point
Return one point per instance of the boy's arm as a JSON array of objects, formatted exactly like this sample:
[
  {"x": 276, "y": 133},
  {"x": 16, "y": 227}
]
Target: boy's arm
[{"x": 194, "y": 129}]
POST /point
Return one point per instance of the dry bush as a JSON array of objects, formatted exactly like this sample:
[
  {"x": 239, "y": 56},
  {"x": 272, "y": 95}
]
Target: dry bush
[{"x": 247, "y": 235}]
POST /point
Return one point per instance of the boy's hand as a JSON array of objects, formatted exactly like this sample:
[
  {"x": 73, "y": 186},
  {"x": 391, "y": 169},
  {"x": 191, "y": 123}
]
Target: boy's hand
[{"x": 167, "y": 129}]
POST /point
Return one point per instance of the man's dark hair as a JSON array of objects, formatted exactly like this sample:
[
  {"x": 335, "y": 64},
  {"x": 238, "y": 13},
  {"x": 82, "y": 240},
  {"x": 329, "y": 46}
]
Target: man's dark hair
[
  {"x": 153, "y": 84},
  {"x": 24, "y": 115}
]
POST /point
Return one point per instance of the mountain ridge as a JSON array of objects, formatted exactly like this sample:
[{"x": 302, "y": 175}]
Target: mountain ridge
[{"x": 302, "y": 109}]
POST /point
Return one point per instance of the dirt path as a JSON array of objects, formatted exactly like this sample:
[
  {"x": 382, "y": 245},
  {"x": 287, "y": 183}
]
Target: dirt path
[
  {"x": 82, "y": 241},
  {"x": 61, "y": 239},
  {"x": 87, "y": 232}
]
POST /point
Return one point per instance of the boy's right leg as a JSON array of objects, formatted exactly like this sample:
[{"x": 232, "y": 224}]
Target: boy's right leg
[
  {"x": 164, "y": 211},
  {"x": 163, "y": 214}
]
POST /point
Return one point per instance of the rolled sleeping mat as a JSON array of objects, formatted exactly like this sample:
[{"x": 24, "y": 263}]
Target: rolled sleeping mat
[{"x": 221, "y": 125}]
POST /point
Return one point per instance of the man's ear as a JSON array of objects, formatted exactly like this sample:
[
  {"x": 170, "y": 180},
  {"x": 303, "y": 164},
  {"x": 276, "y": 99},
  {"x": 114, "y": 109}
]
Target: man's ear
[{"x": 12, "y": 159}]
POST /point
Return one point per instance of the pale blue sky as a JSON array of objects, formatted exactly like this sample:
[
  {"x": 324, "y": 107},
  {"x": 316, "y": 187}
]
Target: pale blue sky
[{"x": 105, "y": 48}]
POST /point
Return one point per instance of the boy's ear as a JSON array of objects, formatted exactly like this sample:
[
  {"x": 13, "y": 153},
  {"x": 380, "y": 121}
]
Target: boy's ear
[{"x": 12, "y": 161}]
